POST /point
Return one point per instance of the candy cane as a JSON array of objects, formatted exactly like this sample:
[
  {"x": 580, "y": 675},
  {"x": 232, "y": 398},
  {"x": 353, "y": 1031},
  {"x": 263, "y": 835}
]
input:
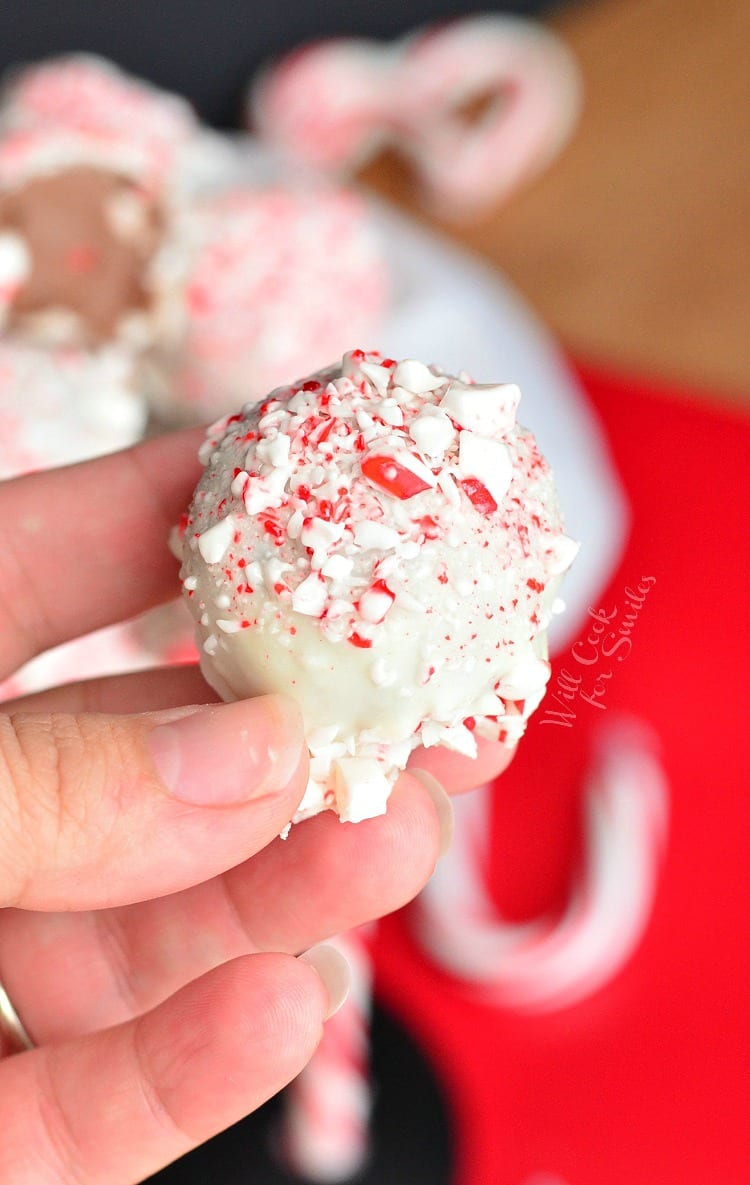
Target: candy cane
[
  {"x": 325, "y": 1133},
  {"x": 533, "y": 90},
  {"x": 413, "y": 95},
  {"x": 538, "y": 966}
]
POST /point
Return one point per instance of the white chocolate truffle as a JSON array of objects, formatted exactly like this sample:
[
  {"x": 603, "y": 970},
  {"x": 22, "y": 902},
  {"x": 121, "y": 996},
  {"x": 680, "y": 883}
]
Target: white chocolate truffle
[
  {"x": 383, "y": 542},
  {"x": 281, "y": 281}
]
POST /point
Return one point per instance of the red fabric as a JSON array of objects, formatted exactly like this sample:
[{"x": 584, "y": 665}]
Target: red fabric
[{"x": 648, "y": 1081}]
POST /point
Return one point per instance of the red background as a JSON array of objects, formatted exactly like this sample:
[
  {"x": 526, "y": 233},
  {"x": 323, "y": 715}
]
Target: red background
[{"x": 647, "y": 1081}]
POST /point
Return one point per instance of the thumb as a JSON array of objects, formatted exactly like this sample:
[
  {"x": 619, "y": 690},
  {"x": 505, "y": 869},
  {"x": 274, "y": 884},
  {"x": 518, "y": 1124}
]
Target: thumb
[
  {"x": 117, "y": 1105},
  {"x": 100, "y": 810}
]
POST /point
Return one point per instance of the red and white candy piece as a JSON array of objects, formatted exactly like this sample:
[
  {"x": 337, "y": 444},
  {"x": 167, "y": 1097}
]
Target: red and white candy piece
[{"x": 400, "y": 474}]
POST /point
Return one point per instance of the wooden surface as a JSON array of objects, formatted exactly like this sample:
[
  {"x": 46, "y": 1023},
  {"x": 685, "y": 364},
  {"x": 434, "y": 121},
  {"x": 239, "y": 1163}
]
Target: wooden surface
[{"x": 635, "y": 245}]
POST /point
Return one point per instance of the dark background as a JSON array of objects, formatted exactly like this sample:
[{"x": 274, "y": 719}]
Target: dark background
[{"x": 209, "y": 49}]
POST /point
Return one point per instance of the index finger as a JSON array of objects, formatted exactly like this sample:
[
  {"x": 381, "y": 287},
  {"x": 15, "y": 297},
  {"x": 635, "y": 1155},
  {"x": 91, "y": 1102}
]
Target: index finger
[
  {"x": 85, "y": 546},
  {"x": 458, "y": 773}
]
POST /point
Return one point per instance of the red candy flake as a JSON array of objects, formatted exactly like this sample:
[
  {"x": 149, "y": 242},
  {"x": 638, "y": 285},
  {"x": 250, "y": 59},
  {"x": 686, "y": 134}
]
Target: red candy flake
[
  {"x": 182, "y": 525},
  {"x": 375, "y": 602},
  {"x": 199, "y": 299},
  {"x": 272, "y": 528},
  {"x": 479, "y": 496},
  {"x": 429, "y": 527},
  {"x": 82, "y": 258},
  {"x": 358, "y": 640},
  {"x": 535, "y": 585},
  {"x": 470, "y": 723},
  {"x": 322, "y": 436},
  {"x": 395, "y": 479},
  {"x": 311, "y": 385},
  {"x": 325, "y": 509},
  {"x": 342, "y": 510}
]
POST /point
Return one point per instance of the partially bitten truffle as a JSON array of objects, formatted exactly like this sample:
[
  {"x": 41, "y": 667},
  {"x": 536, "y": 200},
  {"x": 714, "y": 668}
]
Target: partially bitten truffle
[
  {"x": 85, "y": 238},
  {"x": 92, "y": 180}
]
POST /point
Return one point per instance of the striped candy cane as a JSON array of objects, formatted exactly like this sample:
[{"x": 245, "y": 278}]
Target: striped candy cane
[
  {"x": 325, "y": 1126},
  {"x": 540, "y": 966}
]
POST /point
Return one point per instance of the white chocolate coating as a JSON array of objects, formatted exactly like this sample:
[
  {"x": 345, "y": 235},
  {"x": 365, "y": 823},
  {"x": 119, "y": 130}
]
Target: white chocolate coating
[
  {"x": 383, "y": 542},
  {"x": 62, "y": 406}
]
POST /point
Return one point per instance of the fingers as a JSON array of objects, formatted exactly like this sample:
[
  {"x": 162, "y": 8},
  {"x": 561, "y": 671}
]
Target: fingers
[
  {"x": 172, "y": 686},
  {"x": 326, "y": 878},
  {"x": 137, "y": 691},
  {"x": 115, "y": 1107},
  {"x": 459, "y": 773},
  {"x": 86, "y": 545},
  {"x": 103, "y": 810}
]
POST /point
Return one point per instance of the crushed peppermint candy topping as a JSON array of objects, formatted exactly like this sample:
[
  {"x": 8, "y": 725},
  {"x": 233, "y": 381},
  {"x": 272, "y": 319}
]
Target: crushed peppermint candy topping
[
  {"x": 388, "y": 539},
  {"x": 263, "y": 257},
  {"x": 81, "y": 99},
  {"x": 329, "y": 470}
]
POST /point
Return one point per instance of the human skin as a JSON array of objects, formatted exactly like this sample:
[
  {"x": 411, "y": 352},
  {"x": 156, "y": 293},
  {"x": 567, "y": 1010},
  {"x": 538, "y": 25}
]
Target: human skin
[{"x": 150, "y": 918}]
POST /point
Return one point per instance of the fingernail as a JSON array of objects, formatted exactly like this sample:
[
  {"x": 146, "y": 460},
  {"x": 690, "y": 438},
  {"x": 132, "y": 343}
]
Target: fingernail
[
  {"x": 226, "y": 754},
  {"x": 333, "y": 969},
  {"x": 443, "y": 806}
]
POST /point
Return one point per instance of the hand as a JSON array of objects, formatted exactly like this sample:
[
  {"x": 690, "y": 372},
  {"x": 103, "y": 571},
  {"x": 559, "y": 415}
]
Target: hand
[{"x": 141, "y": 879}]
